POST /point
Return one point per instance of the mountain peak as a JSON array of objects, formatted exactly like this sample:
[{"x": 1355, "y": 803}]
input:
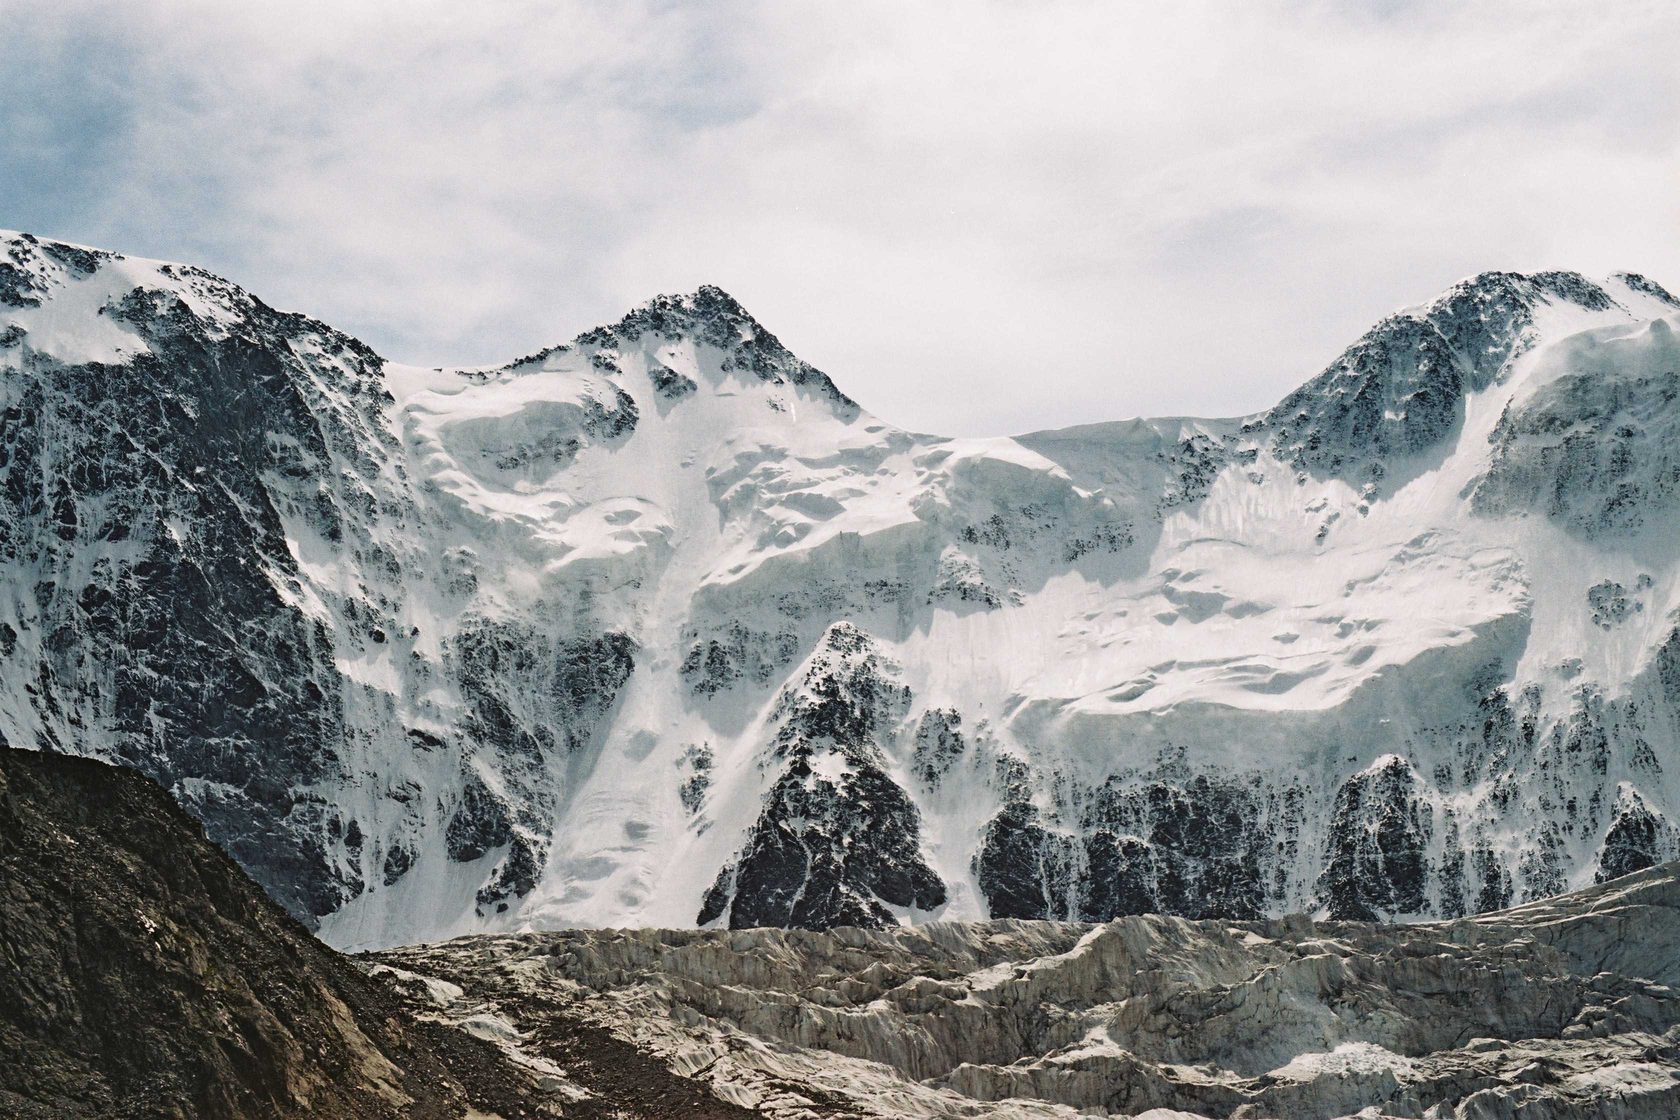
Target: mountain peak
[
  {"x": 1398, "y": 390},
  {"x": 709, "y": 313},
  {"x": 712, "y": 317}
]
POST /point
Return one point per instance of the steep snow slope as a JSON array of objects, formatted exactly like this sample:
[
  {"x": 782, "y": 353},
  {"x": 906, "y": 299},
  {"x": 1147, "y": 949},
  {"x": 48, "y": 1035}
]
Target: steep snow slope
[{"x": 659, "y": 627}]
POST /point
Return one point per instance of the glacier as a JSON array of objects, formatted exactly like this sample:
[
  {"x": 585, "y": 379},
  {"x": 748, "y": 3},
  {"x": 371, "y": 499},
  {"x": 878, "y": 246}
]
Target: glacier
[
  {"x": 660, "y": 628},
  {"x": 1563, "y": 1009}
]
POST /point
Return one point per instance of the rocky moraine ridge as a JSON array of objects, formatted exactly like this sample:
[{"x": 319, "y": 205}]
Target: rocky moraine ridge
[{"x": 659, "y": 628}]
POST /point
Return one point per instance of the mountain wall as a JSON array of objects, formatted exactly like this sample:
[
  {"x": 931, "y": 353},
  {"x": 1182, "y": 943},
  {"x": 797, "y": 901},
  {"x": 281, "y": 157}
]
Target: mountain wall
[{"x": 659, "y": 627}]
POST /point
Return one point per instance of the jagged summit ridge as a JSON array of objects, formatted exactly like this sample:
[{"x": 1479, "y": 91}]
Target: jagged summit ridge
[
  {"x": 1483, "y": 317},
  {"x": 658, "y": 627}
]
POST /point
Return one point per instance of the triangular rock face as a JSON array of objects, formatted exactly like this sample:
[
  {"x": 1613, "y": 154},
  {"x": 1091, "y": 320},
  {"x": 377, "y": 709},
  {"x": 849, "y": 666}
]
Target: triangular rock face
[
  {"x": 431, "y": 651},
  {"x": 838, "y": 842}
]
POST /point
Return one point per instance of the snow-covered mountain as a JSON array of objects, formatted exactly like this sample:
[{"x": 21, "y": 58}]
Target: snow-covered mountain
[{"x": 659, "y": 627}]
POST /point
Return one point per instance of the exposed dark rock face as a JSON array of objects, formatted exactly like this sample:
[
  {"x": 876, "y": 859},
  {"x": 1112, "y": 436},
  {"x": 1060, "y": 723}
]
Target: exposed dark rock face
[
  {"x": 173, "y": 468},
  {"x": 536, "y": 703},
  {"x": 696, "y": 767},
  {"x": 838, "y": 842},
  {"x": 147, "y": 976},
  {"x": 1635, "y": 839},
  {"x": 939, "y": 744},
  {"x": 1648, "y": 286},
  {"x": 1379, "y": 846},
  {"x": 1393, "y": 393},
  {"x": 827, "y": 852},
  {"x": 673, "y": 386},
  {"x": 1121, "y": 877},
  {"x": 1611, "y": 604},
  {"x": 1024, "y": 869},
  {"x": 1399, "y": 390},
  {"x": 1598, "y": 452},
  {"x": 21, "y": 283},
  {"x": 1172, "y": 843},
  {"x": 1194, "y": 845},
  {"x": 1192, "y": 466},
  {"x": 716, "y": 662},
  {"x": 480, "y": 823}
]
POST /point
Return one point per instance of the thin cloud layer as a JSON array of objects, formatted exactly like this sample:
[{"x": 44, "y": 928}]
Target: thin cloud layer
[{"x": 979, "y": 217}]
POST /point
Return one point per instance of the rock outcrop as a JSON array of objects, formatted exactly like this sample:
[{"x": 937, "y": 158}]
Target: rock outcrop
[{"x": 838, "y": 842}]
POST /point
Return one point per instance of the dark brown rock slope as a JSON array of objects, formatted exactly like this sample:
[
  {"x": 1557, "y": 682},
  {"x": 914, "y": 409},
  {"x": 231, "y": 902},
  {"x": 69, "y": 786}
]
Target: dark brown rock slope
[{"x": 143, "y": 974}]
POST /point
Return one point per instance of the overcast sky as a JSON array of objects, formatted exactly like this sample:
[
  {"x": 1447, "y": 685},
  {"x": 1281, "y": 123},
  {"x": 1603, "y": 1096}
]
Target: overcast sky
[{"x": 979, "y": 217}]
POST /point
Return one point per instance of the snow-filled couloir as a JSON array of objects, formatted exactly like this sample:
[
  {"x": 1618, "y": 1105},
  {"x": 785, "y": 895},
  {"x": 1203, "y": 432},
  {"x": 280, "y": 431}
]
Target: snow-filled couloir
[{"x": 659, "y": 627}]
